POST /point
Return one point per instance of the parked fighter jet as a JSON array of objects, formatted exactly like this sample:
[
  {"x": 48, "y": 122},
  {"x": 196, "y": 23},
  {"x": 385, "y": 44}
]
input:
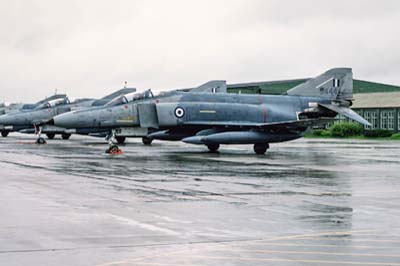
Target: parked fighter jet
[
  {"x": 95, "y": 121},
  {"x": 31, "y": 120},
  {"x": 17, "y": 107},
  {"x": 119, "y": 114},
  {"x": 212, "y": 119},
  {"x": 217, "y": 119}
]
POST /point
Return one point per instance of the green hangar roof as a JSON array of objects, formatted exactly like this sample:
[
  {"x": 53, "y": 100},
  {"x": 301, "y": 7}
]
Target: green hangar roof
[{"x": 281, "y": 86}]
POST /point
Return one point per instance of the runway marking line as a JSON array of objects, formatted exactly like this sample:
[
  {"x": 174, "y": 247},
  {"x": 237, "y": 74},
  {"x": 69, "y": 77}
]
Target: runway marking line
[
  {"x": 314, "y": 245},
  {"x": 317, "y": 253},
  {"x": 241, "y": 243},
  {"x": 350, "y": 239},
  {"x": 302, "y": 236},
  {"x": 295, "y": 260},
  {"x": 136, "y": 260}
]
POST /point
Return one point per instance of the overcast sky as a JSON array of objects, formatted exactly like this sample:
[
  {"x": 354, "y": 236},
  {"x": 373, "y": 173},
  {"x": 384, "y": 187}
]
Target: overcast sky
[{"x": 89, "y": 48}]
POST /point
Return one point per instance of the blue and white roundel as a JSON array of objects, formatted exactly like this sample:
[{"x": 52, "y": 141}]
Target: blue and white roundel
[{"x": 179, "y": 112}]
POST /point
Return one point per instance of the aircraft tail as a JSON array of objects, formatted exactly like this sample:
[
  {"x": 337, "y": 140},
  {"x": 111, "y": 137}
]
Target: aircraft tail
[{"x": 335, "y": 84}]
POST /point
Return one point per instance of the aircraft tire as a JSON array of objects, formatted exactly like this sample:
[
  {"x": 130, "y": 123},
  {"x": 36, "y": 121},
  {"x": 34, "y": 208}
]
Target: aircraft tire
[
  {"x": 261, "y": 148},
  {"x": 120, "y": 139},
  {"x": 41, "y": 141},
  {"x": 213, "y": 147},
  {"x": 147, "y": 141},
  {"x": 65, "y": 136},
  {"x": 112, "y": 149},
  {"x": 4, "y": 133},
  {"x": 50, "y": 135}
]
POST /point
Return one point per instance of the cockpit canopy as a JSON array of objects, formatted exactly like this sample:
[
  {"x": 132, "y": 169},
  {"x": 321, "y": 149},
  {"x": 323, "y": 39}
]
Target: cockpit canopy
[
  {"x": 53, "y": 103},
  {"x": 130, "y": 97}
]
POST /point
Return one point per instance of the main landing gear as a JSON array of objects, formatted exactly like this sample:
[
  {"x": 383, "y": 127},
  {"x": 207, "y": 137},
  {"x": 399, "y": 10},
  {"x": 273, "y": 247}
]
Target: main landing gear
[
  {"x": 65, "y": 136},
  {"x": 213, "y": 147},
  {"x": 51, "y": 135},
  {"x": 147, "y": 141},
  {"x": 261, "y": 148},
  {"x": 120, "y": 139},
  {"x": 4, "y": 133}
]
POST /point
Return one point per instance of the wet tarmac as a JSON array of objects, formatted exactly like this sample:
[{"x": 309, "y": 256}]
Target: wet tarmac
[{"x": 307, "y": 202}]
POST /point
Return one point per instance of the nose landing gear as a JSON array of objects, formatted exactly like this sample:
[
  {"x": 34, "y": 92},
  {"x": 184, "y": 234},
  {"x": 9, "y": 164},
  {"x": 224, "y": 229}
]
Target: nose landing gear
[
  {"x": 112, "y": 149},
  {"x": 40, "y": 139}
]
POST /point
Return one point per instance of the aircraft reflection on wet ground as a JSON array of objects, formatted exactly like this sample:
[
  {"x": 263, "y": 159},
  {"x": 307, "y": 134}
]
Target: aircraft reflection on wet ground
[{"x": 306, "y": 202}]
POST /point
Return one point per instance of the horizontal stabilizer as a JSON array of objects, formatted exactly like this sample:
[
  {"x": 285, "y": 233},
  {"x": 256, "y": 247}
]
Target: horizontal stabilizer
[{"x": 347, "y": 112}]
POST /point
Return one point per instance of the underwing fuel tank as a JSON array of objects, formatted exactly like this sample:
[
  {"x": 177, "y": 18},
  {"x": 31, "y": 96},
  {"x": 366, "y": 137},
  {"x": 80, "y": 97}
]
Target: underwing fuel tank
[
  {"x": 167, "y": 135},
  {"x": 240, "y": 137}
]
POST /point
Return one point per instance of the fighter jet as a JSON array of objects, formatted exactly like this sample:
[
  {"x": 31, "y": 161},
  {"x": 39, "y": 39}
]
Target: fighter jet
[
  {"x": 217, "y": 119},
  {"x": 212, "y": 119},
  {"x": 120, "y": 114},
  {"x": 32, "y": 120},
  {"x": 17, "y": 107}
]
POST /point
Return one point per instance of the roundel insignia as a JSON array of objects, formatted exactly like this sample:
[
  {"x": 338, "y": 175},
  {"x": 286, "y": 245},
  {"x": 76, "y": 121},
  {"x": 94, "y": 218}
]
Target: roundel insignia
[{"x": 179, "y": 112}]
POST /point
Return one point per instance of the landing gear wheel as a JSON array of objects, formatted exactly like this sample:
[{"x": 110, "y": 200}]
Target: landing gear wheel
[
  {"x": 4, "y": 133},
  {"x": 261, "y": 148},
  {"x": 65, "y": 136},
  {"x": 114, "y": 149},
  {"x": 120, "y": 139},
  {"x": 213, "y": 147},
  {"x": 41, "y": 140},
  {"x": 51, "y": 135},
  {"x": 147, "y": 141}
]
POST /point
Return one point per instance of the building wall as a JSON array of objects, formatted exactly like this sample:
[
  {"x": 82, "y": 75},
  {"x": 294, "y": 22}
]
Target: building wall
[{"x": 381, "y": 118}]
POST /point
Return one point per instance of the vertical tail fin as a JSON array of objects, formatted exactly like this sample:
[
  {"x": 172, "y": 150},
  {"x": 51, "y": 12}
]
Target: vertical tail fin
[{"x": 335, "y": 84}]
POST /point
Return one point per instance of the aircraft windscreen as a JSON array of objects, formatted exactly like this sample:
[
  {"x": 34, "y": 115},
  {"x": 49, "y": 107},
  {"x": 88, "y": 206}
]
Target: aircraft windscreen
[
  {"x": 43, "y": 106},
  {"x": 117, "y": 101},
  {"x": 52, "y": 103},
  {"x": 130, "y": 97}
]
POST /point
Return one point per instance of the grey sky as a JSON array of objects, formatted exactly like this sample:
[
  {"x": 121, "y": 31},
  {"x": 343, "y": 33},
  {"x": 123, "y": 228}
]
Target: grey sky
[{"x": 89, "y": 48}]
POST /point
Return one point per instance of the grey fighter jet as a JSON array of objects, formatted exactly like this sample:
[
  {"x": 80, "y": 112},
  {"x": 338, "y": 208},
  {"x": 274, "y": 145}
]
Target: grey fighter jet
[
  {"x": 17, "y": 107},
  {"x": 211, "y": 118},
  {"x": 32, "y": 120},
  {"x": 218, "y": 119},
  {"x": 120, "y": 114}
]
